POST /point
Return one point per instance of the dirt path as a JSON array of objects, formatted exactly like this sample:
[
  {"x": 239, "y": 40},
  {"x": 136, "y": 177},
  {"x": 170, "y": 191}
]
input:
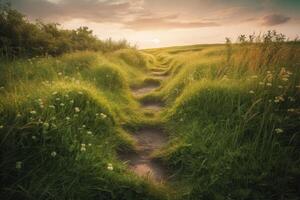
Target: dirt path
[{"x": 148, "y": 140}]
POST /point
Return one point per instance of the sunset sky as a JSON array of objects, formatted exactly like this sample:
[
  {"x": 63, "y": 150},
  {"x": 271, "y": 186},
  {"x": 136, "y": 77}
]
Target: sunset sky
[{"x": 156, "y": 23}]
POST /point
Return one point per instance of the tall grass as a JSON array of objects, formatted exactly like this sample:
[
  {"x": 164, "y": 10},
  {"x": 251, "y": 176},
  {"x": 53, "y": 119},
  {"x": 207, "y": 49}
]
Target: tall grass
[
  {"x": 60, "y": 128},
  {"x": 234, "y": 116}
]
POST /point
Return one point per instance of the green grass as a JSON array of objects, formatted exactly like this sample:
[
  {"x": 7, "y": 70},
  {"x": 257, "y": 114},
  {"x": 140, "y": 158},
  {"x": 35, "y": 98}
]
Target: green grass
[{"x": 233, "y": 122}]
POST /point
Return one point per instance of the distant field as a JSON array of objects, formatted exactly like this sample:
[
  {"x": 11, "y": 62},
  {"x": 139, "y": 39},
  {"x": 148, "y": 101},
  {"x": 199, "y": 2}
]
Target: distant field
[{"x": 230, "y": 114}]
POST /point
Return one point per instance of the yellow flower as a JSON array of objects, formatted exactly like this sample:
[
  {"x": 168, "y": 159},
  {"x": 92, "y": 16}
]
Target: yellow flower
[{"x": 110, "y": 167}]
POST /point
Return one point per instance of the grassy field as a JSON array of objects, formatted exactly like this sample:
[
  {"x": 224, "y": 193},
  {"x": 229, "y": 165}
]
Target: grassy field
[{"x": 232, "y": 114}]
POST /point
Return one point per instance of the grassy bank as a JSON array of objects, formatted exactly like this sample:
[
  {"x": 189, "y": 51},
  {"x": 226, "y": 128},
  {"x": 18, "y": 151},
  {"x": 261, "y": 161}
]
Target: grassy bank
[
  {"x": 233, "y": 113},
  {"x": 61, "y": 127}
]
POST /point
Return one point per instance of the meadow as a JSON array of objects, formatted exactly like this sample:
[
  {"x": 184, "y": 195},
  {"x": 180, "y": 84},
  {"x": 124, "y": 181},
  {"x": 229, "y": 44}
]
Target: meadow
[{"x": 230, "y": 112}]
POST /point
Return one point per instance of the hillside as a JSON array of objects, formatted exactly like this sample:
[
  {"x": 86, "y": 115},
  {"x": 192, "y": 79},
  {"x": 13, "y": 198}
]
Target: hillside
[{"x": 191, "y": 122}]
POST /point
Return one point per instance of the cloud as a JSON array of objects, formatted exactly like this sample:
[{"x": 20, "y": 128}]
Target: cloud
[
  {"x": 91, "y": 10},
  {"x": 274, "y": 19},
  {"x": 165, "y": 22}
]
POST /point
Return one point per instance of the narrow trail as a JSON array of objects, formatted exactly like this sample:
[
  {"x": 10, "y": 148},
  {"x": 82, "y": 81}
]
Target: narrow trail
[{"x": 148, "y": 139}]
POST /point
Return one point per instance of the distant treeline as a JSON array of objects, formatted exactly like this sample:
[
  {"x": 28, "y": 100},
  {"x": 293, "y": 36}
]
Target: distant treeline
[{"x": 21, "y": 38}]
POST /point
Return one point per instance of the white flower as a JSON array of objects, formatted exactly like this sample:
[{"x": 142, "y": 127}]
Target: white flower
[
  {"x": 19, "y": 115},
  {"x": 62, "y": 104},
  {"x": 285, "y": 79},
  {"x": 72, "y": 101},
  {"x": 59, "y": 73},
  {"x": 80, "y": 92},
  {"x": 53, "y": 153},
  {"x": 251, "y": 92},
  {"x": 89, "y": 132},
  {"x": 46, "y": 125},
  {"x": 77, "y": 109},
  {"x": 278, "y": 130},
  {"x": 110, "y": 167},
  {"x": 269, "y": 84},
  {"x": 33, "y": 137},
  {"x": 33, "y": 112},
  {"x": 82, "y": 148},
  {"x": 68, "y": 118},
  {"x": 280, "y": 86},
  {"x": 83, "y": 145},
  {"x": 83, "y": 126},
  {"x": 57, "y": 99},
  {"x": 1, "y": 126},
  {"x": 52, "y": 106},
  {"x": 19, "y": 165},
  {"x": 89, "y": 144},
  {"x": 103, "y": 116},
  {"x": 54, "y": 93},
  {"x": 291, "y": 110}
]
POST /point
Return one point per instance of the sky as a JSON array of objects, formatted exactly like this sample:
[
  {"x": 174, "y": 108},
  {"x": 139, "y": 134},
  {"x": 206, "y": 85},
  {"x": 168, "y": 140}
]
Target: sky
[{"x": 158, "y": 23}]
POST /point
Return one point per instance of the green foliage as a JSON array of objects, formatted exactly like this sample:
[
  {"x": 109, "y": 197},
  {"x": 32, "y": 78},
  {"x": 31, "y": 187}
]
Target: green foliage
[
  {"x": 233, "y": 115},
  {"x": 19, "y": 37}
]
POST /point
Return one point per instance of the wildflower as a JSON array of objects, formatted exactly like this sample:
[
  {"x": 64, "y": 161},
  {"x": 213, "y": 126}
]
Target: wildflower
[
  {"x": 59, "y": 73},
  {"x": 57, "y": 99},
  {"x": 67, "y": 96},
  {"x": 33, "y": 137},
  {"x": 33, "y": 112},
  {"x": 103, "y": 116},
  {"x": 297, "y": 86},
  {"x": 68, "y": 118},
  {"x": 83, "y": 126},
  {"x": 110, "y": 167},
  {"x": 53, "y": 154},
  {"x": 278, "y": 99},
  {"x": 280, "y": 86},
  {"x": 1, "y": 126},
  {"x": 268, "y": 72},
  {"x": 97, "y": 114},
  {"x": 62, "y": 104},
  {"x": 291, "y": 110},
  {"x": 77, "y": 109},
  {"x": 269, "y": 84},
  {"x": 89, "y": 132},
  {"x": 41, "y": 106},
  {"x": 82, "y": 148},
  {"x": 52, "y": 106},
  {"x": 46, "y": 125},
  {"x": 89, "y": 144},
  {"x": 80, "y": 92},
  {"x": 251, "y": 92},
  {"x": 181, "y": 119},
  {"x": 285, "y": 79},
  {"x": 19, "y": 115},
  {"x": 278, "y": 130},
  {"x": 2, "y": 88},
  {"x": 54, "y": 93},
  {"x": 19, "y": 165},
  {"x": 254, "y": 76}
]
